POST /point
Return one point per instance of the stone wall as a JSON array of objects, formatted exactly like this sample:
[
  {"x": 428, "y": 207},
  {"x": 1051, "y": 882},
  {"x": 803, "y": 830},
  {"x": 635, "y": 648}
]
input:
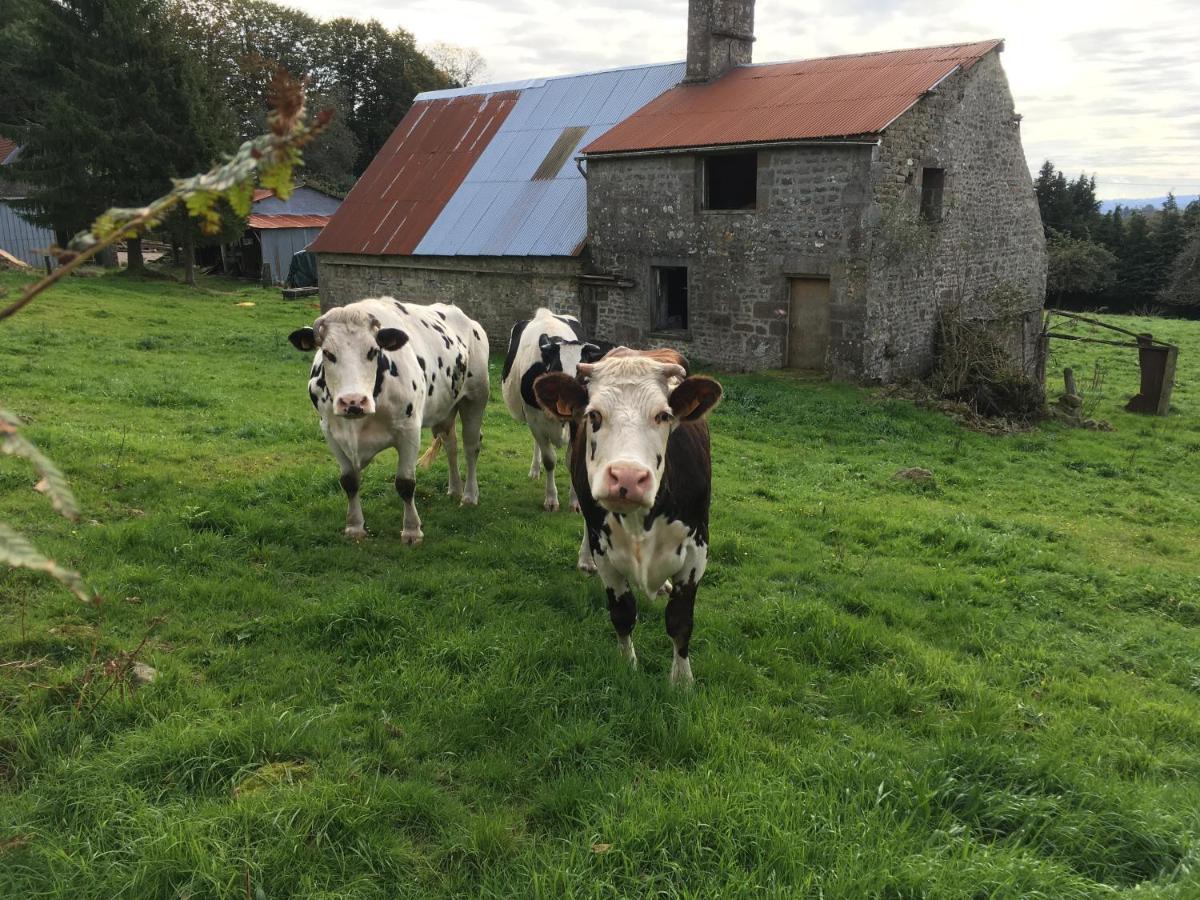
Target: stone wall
[
  {"x": 986, "y": 258},
  {"x": 495, "y": 291},
  {"x": 644, "y": 211},
  {"x": 846, "y": 211}
]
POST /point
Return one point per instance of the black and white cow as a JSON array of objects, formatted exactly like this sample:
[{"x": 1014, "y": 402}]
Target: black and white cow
[
  {"x": 641, "y": 466},
  {"x": 384, "y": 370},
  {"x": 545, "y": 343}
]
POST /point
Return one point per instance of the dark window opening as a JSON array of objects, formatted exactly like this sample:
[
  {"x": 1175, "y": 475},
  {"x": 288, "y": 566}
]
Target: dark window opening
[
  {"x": 731, "y": 181},
  {"x": 560, "y": 152},
  {"x": 932, "y": 183},
  {"x": 670, "y": 298}
]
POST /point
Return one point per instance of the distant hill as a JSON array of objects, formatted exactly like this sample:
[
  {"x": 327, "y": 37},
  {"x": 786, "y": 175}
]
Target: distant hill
[{"x": 1139, "y": 202}]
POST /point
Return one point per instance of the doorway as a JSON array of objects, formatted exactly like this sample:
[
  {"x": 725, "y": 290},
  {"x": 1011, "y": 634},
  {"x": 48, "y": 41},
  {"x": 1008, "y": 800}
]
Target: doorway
[{"x": 808, "y": 323}]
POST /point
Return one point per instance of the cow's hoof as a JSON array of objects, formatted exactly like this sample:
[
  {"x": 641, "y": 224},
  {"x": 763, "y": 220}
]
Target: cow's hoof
[
  {"x": 550, "y": 506},
  {"x": 627, "y": 651},
  {"x": 411, "y": 538},
  {"x": 681, "y": 674},
  {"x": 575, "y": 507},
  {"x": 453, "y": 492},
  {"x": 355, "y": 533},
  {"x": 586, "y": 566},
  {"x": 535, "y": 474},
  {"x": 470, "y": 500}
]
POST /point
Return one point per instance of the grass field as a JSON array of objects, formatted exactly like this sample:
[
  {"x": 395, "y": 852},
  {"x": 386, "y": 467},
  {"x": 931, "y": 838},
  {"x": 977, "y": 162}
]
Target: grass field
[{"x": 984, "y": 686}]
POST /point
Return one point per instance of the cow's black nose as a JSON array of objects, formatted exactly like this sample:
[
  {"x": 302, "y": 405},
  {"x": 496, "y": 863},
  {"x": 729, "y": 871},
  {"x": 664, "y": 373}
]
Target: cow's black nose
[{"x": 624, "y": 492}]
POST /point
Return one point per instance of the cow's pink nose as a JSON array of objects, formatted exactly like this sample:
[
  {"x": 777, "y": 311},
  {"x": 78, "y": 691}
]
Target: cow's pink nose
[
  {"x": 353, "y": 404},
  {"x": 628, "y": 482}
]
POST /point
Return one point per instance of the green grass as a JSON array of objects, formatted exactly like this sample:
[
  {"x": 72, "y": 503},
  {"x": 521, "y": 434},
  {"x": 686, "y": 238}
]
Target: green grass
[{"x": 988, "y": 686}]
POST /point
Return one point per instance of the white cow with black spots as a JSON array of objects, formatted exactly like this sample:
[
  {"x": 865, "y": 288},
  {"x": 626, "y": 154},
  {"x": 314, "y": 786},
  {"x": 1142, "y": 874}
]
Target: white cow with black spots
[
  {"x": 546, "y": 343},
  {"x": 641, "y": 466},
  {"x": 383, "y": 370}
]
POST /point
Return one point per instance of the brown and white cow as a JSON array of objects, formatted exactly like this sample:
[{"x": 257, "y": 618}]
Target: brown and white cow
[
  {"x": 642, "y": 470},
  {"x": 384, "y": 370}
]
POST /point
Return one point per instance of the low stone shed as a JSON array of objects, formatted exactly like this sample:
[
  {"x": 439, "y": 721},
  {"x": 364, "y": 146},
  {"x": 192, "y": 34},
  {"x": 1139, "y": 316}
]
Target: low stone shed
[{"x": 820, "y": 214}]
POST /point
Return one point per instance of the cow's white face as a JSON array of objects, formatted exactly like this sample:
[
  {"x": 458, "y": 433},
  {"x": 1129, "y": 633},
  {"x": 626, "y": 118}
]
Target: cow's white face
[
  {"x": 350, "y": 346},
  {"x": 630, "y": 405}
]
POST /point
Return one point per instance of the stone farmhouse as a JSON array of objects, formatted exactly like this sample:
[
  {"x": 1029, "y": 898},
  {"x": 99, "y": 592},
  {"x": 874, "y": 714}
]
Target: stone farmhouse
[{"x": 819, "y": 214}]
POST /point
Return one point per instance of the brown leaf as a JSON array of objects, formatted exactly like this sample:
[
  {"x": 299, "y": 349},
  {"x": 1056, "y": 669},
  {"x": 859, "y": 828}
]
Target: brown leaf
[
  {"x": 13, "y": 843},
  {"x": 601, "y": 848}
]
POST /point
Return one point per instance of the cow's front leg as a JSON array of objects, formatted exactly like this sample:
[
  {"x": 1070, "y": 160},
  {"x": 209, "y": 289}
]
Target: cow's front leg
[
  {"x": 585, "y": 562},
  {"x": 622, "y": 608},
  {"x": 549, "y": 459},
  {"x": 574, "y": 499},
  {"x": 535, "y": 468},
  {"x": 406, "y": 484},
  {"x": 351, "y": 476},
  {"x": 680, "y": 609}
]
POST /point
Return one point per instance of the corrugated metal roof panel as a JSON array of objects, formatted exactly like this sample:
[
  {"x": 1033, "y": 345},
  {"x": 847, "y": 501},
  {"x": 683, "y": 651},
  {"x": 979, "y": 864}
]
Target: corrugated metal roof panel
[
  {"x": 287, "y": 221},
  {"x": 416, "y": 173},
  {"x": 838, "y": 96},
  {"x": 499, "y": 210},
  {"x": 6, "y": 149}
]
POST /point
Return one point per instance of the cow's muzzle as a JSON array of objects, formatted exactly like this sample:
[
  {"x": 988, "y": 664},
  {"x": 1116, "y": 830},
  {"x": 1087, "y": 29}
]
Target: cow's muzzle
[
  {"x": 354, "y": 406},
  {"x": 627, "y": 486}
]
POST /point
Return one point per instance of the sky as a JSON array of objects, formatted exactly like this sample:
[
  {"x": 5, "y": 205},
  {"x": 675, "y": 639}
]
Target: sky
[{"x": 1105, "y": 88}]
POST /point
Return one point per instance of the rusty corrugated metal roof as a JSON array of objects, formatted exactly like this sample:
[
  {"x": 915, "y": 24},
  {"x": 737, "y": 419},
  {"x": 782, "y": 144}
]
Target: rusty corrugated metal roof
[
  {"x": 418, "y": 170},
  {"x": 287, "y": 220},
  {"x": 262, "y": 194},
  {"x": 6, "y": 148},
  {"x": 838, "y": 96}
]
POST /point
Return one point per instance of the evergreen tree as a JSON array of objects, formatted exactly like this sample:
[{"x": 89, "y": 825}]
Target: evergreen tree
[
  {"x": 118, "y": 109},
  {"x": 1138, "y": 277}
]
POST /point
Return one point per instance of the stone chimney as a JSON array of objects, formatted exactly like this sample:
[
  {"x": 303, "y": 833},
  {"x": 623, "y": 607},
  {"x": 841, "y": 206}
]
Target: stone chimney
[{"x": 720, "y": 36}]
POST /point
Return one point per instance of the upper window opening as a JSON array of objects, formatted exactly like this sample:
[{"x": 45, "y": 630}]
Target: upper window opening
[
  {"x": 560, "y": 152},
  {"x": 670, "y": 298},
  {"x": 932, "y": 183},
  {"x": 731, "y": 181}
]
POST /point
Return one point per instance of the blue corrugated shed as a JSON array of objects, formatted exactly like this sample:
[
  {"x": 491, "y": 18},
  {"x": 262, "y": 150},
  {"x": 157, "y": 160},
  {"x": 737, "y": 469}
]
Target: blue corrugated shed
[
  {"x": 499, "y": 209},
  {"x": 18, "y": 236}
]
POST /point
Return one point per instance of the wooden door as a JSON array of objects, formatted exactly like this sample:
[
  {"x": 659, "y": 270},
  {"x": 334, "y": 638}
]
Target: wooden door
[{"x": 808, "y": 323}]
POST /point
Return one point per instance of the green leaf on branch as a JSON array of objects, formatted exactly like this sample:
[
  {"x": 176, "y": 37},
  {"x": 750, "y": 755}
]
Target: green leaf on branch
[
  {"x": 53, "y": 484},
  {"x": 17, "y": 552}
]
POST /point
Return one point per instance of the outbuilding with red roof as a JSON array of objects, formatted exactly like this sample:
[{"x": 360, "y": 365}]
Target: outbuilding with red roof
[{"x": 821, "y": 214}]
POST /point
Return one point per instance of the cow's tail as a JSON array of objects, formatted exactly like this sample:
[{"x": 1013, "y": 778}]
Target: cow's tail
[{"x": 430, "y": 455}]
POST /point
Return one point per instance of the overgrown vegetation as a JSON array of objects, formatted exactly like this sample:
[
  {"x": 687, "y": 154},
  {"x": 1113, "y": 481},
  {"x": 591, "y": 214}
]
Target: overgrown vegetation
[{"x": 981, "y": 684}]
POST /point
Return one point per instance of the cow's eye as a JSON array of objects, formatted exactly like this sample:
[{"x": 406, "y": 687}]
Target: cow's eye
[
  {"x": 595, "y": 418},
  {"x": 664, "y": 417},
  {"x": 329, "y": 357}
]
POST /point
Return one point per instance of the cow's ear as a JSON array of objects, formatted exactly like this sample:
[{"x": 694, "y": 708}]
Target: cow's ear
[
  {"x": 694, "y": 398},
  {"x": 560, "y": 395},
  {"x": 391, "y": 338},
  {"x": 590, "y": 353},
  {"x": 303, "y": 339}
]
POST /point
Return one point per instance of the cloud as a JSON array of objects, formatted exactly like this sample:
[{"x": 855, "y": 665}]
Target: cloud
[{"x": 1101, "y": 88}]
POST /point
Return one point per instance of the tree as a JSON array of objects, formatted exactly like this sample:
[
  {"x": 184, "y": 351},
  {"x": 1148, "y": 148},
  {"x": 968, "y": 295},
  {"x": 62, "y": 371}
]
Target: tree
[
  {"x": 463, "y": 66},
  {"x": 118, "y": 109},
  {"x": 1183, "y": 284},
  {"x": 329, "y": 163},
  {"x": 1067, "y": 207},
  {"x": 1137, "y": 273},
  {"x": 1076, "y": 266}
]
